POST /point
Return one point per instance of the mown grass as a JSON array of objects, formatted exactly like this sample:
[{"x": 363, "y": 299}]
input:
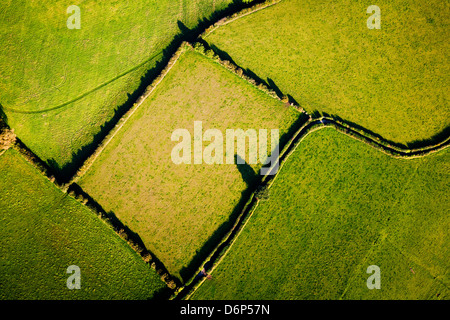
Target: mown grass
[
  {"x": 89, "y": 73},
  {"x": 336, "y": 207},
  {"x": 44, "y": 231},
  {"x": 393, "y": 81},
  {"x": 176, "y": 209}
]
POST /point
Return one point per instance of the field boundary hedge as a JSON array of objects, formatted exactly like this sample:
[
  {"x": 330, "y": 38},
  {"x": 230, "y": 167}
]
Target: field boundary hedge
[
  {"x": 133, "y": 240},
  {"x": 88, "y": 163},
  {"x": 198, "y": 47},
  {"x": 310, "y": 126},
  {"x": 222, "y": 248},
  {"x": 381, "y": 144},
  {"x": 230, "y": 66},
  {"x": 9, "y": 140},
  {"x": 7, "y": 136},
  {"x": 245, "y": 12}
]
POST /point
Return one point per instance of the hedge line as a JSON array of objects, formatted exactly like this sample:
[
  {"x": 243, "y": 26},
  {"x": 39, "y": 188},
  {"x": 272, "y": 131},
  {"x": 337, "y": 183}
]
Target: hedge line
[
  {"x": 383, "y": 145},
  {"x": 120, "y": 230},
  {"x": 200, "y": 48},
  {"x": 238, "y": 15},
  {"x": 261, "y": 192},
  {"x": 87, "y": 164},
  {"x": 8, "y": 139}
]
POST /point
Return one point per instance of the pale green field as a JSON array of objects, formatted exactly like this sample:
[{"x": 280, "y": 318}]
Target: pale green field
[
  {"x": 337, "y": 207},
  {"x": 393, "y": 81},
  {"x": 176, "y": 209},
  {"x": 85, "y": 74},
  {"x": 44, "y": 231}
]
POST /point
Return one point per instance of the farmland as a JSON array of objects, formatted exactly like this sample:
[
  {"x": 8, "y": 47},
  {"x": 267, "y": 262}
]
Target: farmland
[
  {"x": 176, "y": 208},
  {"x": 336, "y": 207},
  {"x": 132, "y": 147},
  {"x": 393, "y": 81},
  {"x": 58, "y": 87},
  {"x": 44, "y": 231}
]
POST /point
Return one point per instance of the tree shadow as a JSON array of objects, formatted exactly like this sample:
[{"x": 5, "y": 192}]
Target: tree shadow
[
  {"x": 416, "y": 144},
  {"x": 41, "y": 165},
  {"x": 3, "y": 118},
  {"x": 247, "y": 173},
  {"x": 435, "y": 139},
  {"x": 251, "y": 179},
  {"x": 291, "y": 99},
  {"x": 254, "y": 182},
  {"x": 274, "y": 87},
  {"x": 255, "y": 77},
  {"x": 315, "y": 114},
  {"x": 300, "y": 121},
  {"x": 223, "y": 55},
  {"x": 65, "y": 172}
]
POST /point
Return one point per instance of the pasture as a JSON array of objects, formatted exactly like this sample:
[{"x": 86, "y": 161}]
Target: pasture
[
  {"x": 59, "y": 87},
  {"x": 393, "y": 81},
  {"x": 180, "y": 210},
  {"x": 336, "y": 207},
  {"x": 44, "y": 231}
]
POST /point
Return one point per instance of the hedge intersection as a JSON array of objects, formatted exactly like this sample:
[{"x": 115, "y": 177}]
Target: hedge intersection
[{"x": 311, "y": 124}]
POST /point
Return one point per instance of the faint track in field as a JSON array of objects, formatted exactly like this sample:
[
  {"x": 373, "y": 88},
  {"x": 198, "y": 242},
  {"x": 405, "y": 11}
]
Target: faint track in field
[{"x": 86, "y": 93}]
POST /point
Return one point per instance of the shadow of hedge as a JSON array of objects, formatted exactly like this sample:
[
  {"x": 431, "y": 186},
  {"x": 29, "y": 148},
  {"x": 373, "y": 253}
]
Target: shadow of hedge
[{"x": 64, "y": 173}]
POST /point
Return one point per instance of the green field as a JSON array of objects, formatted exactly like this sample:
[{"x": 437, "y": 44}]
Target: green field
[
  {"x": 175, "y": 209},
  {"x": 336, "y": 207},
  {"x": 402, "y": 277},
  {"x": 43, "y": 231},
  {"x": 95, "y": 109},
  {"x": 73, "y": 80},
  {"x": 393, "y": 81}
]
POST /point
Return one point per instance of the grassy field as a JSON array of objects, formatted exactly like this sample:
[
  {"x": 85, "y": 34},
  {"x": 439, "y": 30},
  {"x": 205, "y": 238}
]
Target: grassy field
[
  {"x": 176, "y": 209},
  {"x": 72, "y": 81},
  {"x": 393, "y": 81},
  {"x": 336, "y": 207},
  {"x": 44, "y": 231},
  {"x": 402, "y": 277}
]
